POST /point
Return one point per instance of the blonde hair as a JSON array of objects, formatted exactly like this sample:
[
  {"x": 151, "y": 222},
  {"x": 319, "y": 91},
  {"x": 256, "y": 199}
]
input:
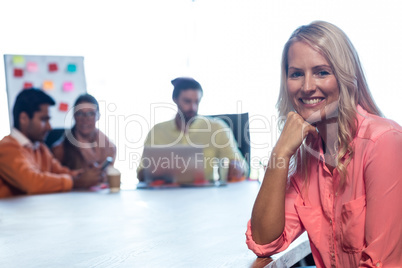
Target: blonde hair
[{"x": 335, "y": 46}]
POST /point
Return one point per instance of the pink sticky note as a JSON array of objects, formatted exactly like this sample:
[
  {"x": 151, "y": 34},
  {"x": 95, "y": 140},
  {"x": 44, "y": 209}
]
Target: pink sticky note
[
  {"x": 32, "y": 67},
  {"x": 68, "y": 86}
]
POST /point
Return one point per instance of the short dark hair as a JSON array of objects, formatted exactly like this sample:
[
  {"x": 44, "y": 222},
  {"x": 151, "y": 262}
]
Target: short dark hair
[
  {"x": 184, "y": 83},
  {"x": 29, "y": 101},
  {"x": 87, "y": 98}
]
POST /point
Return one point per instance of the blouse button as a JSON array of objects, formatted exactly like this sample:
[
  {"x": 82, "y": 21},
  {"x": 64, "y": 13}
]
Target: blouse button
[
  {"x": 330, "y": 221},
  {"x": 378, "y": 264}
]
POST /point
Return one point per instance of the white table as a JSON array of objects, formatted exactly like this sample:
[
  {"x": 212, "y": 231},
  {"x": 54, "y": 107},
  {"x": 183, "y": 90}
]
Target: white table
[{"x": 182, "y": 227}]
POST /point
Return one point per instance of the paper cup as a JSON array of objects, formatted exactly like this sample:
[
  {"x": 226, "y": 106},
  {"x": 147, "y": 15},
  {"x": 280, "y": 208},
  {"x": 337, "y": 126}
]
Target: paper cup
[{"x": 113, "y": 177}]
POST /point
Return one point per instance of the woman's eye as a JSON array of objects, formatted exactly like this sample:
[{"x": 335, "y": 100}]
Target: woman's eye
[
  {"x": 322, "y": 73},
  {"x": 295, "y": 74}
]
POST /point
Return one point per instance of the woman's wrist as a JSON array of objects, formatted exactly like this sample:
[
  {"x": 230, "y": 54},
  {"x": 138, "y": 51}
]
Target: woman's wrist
[{"x": 281, "y": 153}]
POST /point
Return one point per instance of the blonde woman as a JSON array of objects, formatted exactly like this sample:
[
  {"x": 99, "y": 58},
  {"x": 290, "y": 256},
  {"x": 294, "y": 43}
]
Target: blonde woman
[{"x": 338, "y": 168}]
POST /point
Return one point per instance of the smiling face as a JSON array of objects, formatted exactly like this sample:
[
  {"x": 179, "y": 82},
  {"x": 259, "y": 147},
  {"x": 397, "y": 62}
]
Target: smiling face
[
  {"x": 85, "y": 117},
  {"x": 312, "y": 86}
]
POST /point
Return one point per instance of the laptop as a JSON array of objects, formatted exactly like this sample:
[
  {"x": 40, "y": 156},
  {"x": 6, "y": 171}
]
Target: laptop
[{"x": 174, "y": 166}]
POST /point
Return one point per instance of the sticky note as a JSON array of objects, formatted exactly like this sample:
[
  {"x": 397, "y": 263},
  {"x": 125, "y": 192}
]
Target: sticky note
[
  {"x": 53, "y": 67},
  {"x": 32, "y": 67},
  {"x": 18, "y": 60},
  {"x": 48, "y": 85},
  {"x": 68, "y": 86},
  {"x": 71, "y": 68},
  {"x": 63, "y": 107},
  {"x": 28, "y": 85},
  {"x": 18, "y": 72}
]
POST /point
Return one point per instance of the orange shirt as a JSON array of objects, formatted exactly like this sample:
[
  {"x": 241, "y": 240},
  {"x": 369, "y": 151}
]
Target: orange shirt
[
  {"x": 361, "y": 226},
  {"x": 25, "y": 169}
]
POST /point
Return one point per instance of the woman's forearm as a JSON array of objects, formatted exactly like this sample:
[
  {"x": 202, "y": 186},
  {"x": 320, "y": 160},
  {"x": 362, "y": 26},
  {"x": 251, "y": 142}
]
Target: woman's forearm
[{"x": 268, "y": 215}]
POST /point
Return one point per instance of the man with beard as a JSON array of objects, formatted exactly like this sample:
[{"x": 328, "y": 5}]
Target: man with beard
[{"x": 190, "y": 129}]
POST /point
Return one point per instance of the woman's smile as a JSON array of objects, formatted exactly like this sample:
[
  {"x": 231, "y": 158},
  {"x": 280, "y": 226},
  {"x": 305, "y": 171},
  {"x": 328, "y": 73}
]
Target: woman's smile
[{"x": 311, "y": 84}]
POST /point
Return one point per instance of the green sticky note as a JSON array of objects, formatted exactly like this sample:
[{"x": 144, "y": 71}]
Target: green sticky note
[
  {"x": 18, "y": 60},
  {"x": 71, "y": 68}
]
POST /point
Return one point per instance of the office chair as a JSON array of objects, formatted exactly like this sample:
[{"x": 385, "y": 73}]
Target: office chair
[{"x": 239, "y": 125}]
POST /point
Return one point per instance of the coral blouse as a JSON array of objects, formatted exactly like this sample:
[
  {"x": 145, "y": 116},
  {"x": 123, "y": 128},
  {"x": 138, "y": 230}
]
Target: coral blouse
[{"x": 360, "y": 226}]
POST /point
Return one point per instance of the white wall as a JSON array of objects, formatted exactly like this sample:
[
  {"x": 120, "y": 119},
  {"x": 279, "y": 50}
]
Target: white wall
[{"x": 133, "y": 49}]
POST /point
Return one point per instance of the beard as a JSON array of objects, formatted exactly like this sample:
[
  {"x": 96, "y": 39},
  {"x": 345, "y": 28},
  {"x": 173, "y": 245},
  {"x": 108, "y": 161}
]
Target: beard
[{"x": 189, "y": 115}]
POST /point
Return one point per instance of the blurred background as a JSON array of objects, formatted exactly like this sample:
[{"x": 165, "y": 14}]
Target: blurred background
[{"x": 133, "y": 49}]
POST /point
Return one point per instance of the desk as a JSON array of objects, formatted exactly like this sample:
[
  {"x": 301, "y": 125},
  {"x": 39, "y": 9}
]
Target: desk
[{"x": 183, "y": 227}]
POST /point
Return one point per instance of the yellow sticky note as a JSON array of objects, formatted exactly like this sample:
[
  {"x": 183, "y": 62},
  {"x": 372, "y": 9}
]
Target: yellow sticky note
[
  {"x": 18, "y": 60},
  {"x": 48, "y": 85}
]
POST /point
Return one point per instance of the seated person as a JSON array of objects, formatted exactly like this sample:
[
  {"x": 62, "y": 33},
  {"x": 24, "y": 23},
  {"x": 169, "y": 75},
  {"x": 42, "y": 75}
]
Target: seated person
[
  {"x": 84, "y": 146},
  {"x": 339, "y": 167},
  {"x": 26, "y": 164},
  {"x": 188, "y": 128}
]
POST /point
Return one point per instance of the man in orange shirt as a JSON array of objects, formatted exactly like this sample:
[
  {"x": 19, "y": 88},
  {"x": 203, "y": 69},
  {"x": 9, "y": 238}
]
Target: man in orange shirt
[{"x": 26, "y": 164}]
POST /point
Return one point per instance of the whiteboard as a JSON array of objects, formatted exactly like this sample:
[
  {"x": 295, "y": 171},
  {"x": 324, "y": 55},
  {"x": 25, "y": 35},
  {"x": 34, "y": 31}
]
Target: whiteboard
[{"x": 61, "y": 77}]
